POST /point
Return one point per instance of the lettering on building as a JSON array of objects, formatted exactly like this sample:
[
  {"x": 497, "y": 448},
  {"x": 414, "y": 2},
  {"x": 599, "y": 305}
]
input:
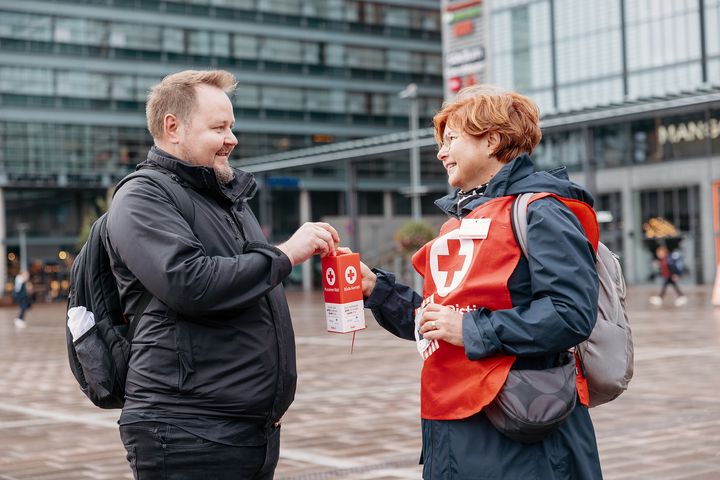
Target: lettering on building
[{"x": 689, "y": 131}]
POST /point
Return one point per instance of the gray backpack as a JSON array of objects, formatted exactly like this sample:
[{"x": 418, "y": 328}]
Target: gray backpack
[{"x": 607, "y": 356}]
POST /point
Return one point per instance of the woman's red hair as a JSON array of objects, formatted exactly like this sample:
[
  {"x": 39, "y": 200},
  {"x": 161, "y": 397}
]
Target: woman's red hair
[{"x": 480, "y": 109}]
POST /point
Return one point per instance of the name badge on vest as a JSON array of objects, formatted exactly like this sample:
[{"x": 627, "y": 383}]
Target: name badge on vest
[{"x": 474, "y": 228}]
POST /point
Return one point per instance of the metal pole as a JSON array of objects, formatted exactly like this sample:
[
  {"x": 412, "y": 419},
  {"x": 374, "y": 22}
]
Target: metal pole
[
  {"x": 410, "y": 93},
  {"x": 22, "y": 228}
]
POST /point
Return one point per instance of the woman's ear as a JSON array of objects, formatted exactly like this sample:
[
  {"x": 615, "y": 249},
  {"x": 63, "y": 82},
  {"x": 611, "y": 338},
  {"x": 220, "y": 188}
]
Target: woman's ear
[{"x": 493, "y": 141}]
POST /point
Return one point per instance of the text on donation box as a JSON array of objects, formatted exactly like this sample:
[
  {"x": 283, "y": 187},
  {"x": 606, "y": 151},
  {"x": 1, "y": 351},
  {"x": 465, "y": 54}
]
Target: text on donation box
[{"x": 343, "y": 293}]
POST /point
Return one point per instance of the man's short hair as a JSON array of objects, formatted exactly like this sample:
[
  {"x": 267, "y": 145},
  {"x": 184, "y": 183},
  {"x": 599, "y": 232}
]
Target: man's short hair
[
  {"x": 480, "y": 109},
  {"x": 175, "y": 94}
]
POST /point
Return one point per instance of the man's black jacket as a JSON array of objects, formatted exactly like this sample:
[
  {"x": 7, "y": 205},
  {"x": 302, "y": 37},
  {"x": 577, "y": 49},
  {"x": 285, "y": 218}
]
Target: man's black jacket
[{"x": 216, "y": 341}]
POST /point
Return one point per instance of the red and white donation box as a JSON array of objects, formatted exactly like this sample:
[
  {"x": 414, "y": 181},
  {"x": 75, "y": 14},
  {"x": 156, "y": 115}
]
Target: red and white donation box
[{"x": 343, "y": 293}]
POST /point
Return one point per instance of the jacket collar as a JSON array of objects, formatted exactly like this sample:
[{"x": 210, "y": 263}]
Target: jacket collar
[
  {"x": 202, "y": 178},
  {"x": 516, "y": 169}
]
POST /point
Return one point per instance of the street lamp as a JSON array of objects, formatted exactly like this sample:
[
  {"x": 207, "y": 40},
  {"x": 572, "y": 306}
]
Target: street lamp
[
  {"x": 22, "y": 229},
  {"x": 410, "y": 93}
]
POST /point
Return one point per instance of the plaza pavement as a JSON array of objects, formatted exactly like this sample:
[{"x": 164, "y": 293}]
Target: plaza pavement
[{"x": 356, "y": 415}]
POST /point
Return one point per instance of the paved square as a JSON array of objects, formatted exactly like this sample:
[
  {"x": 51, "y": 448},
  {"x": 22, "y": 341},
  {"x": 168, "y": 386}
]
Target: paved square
[{"x": 356, "y": 415}]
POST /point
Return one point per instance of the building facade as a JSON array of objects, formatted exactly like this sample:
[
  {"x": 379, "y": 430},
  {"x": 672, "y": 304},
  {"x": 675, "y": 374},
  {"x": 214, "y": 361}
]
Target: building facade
[
  {"x": 629, "y": 92},
  {"x": 74, "y": 76}
]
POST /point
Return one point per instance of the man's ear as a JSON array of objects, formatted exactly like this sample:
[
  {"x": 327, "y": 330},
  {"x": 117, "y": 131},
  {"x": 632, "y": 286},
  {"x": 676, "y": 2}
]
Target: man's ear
[{"x": 172, "y": 128}]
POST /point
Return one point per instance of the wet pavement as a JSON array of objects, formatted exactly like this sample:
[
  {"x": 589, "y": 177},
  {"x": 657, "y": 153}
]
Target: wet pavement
[{"x": 356, "y": 415}]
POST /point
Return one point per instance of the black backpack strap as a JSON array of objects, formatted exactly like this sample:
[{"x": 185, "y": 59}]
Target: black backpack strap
[{"x": 172, "y": 185}]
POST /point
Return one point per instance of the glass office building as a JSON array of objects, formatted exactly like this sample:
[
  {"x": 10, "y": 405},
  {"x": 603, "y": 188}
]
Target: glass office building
[
  {"x": 629, "y": 92},
  {"x": 74, "y": 76}
]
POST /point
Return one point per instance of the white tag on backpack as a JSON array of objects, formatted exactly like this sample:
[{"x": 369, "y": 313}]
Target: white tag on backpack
[{"x": 474, "y": 228}]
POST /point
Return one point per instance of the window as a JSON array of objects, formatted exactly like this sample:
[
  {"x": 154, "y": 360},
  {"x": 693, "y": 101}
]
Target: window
[
  {"x": 28, "y": 81},
  {"x": 245, "y": 47},
  {"x": 83, "y": 85},
  {"x": 279, "y": 50},
  {"x": 25, "y": 26}
]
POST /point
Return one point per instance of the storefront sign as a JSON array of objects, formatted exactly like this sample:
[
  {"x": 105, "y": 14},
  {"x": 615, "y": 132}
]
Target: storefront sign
[{"x": 689, "y": 131}]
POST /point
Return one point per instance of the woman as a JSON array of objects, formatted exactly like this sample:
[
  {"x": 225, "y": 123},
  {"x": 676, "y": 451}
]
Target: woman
[
  {"x": 22, "y": 297},
  {"x": 489, "y": 308}
]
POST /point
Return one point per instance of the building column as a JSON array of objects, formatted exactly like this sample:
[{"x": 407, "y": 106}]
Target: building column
[
  {"x": 388, "y": 204},
  {"x": 630, "y": 213},
  {"x": 3, "y": 243},
  {"x": 305, "y": 216}
]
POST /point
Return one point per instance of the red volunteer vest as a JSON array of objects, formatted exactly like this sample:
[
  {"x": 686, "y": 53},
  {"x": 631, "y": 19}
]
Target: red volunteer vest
[{"x": 468, "y": 274}]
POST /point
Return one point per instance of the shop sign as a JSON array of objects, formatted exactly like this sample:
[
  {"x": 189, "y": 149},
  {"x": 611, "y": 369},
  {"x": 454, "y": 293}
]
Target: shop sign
[{"x": 688, "y": 131}]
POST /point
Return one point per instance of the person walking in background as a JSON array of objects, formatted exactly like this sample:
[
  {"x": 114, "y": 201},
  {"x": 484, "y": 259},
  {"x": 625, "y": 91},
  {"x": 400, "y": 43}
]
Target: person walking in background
[
  {"x": 671, "y": 267},
  {"x": 21, "y": 296},
  {"x": 212, "y": 362},
  {"x": 489, "y": 308}
]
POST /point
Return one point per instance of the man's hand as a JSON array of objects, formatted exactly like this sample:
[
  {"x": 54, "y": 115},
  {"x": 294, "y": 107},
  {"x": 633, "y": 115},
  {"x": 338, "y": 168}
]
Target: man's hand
[
  {"x": 439, "y": 322},
  {"x": 310, "y": 239},
  {"x": 368, "y": 277}
]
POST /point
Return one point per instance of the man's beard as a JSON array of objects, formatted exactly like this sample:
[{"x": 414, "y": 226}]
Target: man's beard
[{"x": 224, "y": 174}]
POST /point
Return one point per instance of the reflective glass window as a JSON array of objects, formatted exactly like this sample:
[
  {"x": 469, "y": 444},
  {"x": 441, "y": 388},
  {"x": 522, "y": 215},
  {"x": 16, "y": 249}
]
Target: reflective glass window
[
  {"x": 82, "y": 84},
  {"x": 199, "y": 42},
  {"x": 245, "y": 47},
  {"x": 80, "y": 31},
  {"x": 247, "y": 96},
  {"x": 141, "y": 37},
  {"x": 173, "y": 40},
  {"x": 334, "y": 55},
  {"x": 25, "y": 26},
  {"x": 28, "y": 81},
  {"x": 221, "y": 44},
  {"x": 280, "y": 50},
  {"x": 282, "y": 98},
  {"x": 360, "y": 57},
  {"x": 325, "y": 100},
  {"x": 123, "y": 87}
]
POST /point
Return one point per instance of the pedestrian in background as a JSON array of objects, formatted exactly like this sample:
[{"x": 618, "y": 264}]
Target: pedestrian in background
[
  {"x": 21, "y": 296},
  {"x": 671, "y": 268},
  {"x": 212, "y": 362},
  {"x": 489, "y": 308}
]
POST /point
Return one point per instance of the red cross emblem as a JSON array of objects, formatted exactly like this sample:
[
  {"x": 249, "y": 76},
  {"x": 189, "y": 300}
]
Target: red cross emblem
[
  {"x": 350, "y": 274},
  {"x": 330, "y": 276},
  {"x": 451, "y": 263},
  {"x": 450, "y": 259}
]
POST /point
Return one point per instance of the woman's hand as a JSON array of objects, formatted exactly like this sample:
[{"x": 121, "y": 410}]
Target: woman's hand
[
  {"x": 368, "y": 277},
  {"x": 439, "y": 322}
]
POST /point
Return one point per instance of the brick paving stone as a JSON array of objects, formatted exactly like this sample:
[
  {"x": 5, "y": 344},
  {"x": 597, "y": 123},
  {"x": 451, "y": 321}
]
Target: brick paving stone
[{"x": 355, "y": 415}]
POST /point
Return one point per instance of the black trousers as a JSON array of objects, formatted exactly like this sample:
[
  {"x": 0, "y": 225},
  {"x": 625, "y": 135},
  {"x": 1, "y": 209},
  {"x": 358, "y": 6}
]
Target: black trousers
[
  {"x": 159, "y": 451},
  {"x": 670, "y": 282}
]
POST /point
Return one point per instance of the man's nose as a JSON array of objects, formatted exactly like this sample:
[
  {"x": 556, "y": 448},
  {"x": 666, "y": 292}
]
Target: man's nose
[{"x": 231, "y": 139}]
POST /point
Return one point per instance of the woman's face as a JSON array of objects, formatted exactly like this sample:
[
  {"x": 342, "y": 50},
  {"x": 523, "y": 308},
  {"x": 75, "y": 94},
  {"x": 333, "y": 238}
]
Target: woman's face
[{"x": 467, "y": 159}]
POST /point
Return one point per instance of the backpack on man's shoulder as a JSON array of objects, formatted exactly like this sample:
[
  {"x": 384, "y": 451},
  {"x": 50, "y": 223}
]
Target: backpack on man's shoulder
[
  {"x": 99, "y": 356},
  {"x": 607, "y": 355}
]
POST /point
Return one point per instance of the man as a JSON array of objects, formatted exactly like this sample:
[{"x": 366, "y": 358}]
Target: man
[{"x": 212, "y": 366}]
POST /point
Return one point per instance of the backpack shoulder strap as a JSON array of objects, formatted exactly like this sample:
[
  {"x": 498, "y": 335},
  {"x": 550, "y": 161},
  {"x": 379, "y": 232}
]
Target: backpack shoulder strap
[
  {"x": 582, "y": 211},
  {"x": 172, "y": 185},
  {"x": 519, "y": 220}
]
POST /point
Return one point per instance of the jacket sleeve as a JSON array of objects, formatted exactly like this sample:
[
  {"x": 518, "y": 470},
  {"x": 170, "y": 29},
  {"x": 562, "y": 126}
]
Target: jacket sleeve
[
  {"x": 393, "y": 305},
  {"x": 564, "y": 292},
  {"x": 151, "y": 237}
]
